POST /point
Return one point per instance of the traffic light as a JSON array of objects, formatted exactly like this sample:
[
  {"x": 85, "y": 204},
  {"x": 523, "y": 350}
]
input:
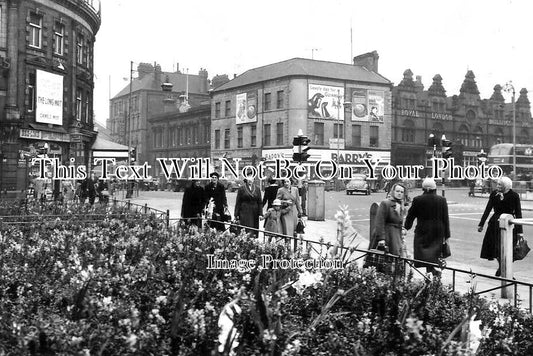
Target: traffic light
[
  {"x": 446, "y": 148},
  {"x": 133, "y": 154},
  {"x": 300, "y": 148}
]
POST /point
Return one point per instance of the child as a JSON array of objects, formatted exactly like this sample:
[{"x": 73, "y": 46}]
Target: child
[{"x": 273, "y": 218}]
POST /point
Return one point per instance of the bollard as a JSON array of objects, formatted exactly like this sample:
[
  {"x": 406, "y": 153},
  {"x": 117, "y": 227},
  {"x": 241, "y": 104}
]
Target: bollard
[
  {"x": 316, "y": 207},
  {"x": 506, "y": 252},
  {"x": 373, "y": 212}
]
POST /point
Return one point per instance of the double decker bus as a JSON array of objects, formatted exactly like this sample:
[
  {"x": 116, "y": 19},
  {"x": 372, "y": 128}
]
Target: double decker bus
[{"x": 502, "y": 155}]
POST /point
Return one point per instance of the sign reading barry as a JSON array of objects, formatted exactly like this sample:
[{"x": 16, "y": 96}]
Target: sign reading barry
[{"x": 49, "y": 98}]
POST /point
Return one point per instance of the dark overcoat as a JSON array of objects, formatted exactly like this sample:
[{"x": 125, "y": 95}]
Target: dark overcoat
[
  {"x": 508, "y": 203},
  {"x": 388, "y": 227},
  {"x": 432, "y": 227},
  {"x": 248, "y": 206},
  {"x": 218, "y": 194},
  {"x": 193, "y": 203}
]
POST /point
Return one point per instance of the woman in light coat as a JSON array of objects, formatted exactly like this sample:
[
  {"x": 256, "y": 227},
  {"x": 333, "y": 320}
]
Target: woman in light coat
[{"x": 289, "y": 198}]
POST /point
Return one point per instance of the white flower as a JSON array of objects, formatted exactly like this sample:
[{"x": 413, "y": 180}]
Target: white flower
[
  {"x": 131, "y": 341},
  {"x": 161, "y": 299},
  {"x": 227, "y": 329},
  {"x": 307, "y": 279}
]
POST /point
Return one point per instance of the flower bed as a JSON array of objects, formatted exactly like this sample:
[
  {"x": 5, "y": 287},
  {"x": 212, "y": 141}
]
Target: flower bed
[{"x": 131, "y": 286}]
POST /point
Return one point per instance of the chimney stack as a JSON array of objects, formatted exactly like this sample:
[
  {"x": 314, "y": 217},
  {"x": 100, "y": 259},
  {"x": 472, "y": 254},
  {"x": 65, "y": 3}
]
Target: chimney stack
[{"x": 368, "y": 60}]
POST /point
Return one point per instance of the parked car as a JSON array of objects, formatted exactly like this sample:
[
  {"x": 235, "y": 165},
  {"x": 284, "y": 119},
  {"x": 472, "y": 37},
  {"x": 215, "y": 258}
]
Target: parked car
[
  {"x": 231, "y": 185},
  {"x": 358, "y": 184}
]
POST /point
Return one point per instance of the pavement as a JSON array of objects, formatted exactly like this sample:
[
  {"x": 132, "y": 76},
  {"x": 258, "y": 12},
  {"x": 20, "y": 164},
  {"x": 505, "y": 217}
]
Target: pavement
[{"x": 326, "y": 231}]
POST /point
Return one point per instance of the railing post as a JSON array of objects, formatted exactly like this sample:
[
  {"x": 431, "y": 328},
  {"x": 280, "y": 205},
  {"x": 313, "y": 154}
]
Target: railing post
[
  {"x": 506, "y": 252},
  {"x": 146, "y": 208},
  {"x": 168, "y": 218}
]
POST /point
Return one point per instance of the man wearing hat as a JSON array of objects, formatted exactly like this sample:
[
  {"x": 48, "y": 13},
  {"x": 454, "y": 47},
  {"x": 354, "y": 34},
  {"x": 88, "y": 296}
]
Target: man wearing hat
[
  {"x": 216, "y": 193},
  {"x": 433, "y": 226}
]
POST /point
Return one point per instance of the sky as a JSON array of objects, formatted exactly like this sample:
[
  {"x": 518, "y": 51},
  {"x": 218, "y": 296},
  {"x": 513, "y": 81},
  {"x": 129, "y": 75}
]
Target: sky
[{"x": 493, "y": 38}]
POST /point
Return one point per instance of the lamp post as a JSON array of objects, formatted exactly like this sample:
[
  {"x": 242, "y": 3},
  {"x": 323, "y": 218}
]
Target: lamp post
[
  {"x": 509, "y": 88},
  {"x": 129, "y": 192},
  {"x": 442, "y": 139}
]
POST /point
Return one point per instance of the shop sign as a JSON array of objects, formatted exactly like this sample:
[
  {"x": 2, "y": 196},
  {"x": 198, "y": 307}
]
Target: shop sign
[
  {"x": 441, "y": 116},
  {"x": 29, "y": 133}
]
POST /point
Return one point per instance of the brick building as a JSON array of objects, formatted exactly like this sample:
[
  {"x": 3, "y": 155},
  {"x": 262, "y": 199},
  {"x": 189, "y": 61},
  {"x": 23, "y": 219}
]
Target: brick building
[
  {"x": 470, "y": 122},
  {"x": 256, "y": 115},
  {"x": 146, "y": 101},
  {"x": 46, "y": 83}
]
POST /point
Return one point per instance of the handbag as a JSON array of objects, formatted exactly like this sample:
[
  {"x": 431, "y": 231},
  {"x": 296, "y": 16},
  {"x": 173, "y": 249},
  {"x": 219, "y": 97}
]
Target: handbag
[
  {"x": 300, "y": 226},
  {"x": 379, "y": 259},
  {"x": 226, "y": 216},
  {"x": 520, "y": 249},
  {"x": 445, "y": 250}
]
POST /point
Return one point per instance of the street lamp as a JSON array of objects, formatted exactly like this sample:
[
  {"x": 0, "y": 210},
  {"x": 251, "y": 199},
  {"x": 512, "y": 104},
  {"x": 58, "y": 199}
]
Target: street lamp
[{"x": 509, "y": 88}]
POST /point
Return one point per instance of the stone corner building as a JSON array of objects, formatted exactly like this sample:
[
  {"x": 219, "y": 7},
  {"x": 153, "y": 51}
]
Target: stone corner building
[{"x": 46, "y": 83}]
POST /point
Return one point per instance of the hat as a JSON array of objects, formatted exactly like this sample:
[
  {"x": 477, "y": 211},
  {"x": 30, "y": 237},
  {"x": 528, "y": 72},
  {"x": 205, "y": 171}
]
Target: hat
[
  {"x": 276, "y": 202},
  {"x": 214, "y": 174},
  {"x": 429, "y": 184}
]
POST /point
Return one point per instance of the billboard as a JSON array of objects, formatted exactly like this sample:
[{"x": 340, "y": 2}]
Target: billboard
[
  {"x": 368, "y": 105},
  {"x": 49, "y": 98},
  {"x": 246, "y": 108},
  {"x": 325, "y": 102}
]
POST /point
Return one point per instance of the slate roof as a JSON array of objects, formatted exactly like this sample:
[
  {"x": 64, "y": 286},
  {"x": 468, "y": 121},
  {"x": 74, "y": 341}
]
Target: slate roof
[
  {"x": 305, "y": 67},
  {"x": 178, "y": 80}
]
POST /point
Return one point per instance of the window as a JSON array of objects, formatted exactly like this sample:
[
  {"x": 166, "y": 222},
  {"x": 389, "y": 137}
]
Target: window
[
  {"x": 59, "y": 34},
  {"x": 319, "y": 133},
  {"x": 356, "y": 135},
  {"x": 36, "y": 27},
  {"x": 228, "y": 108},
  {"x": 266, "y": 135},
  {"x": 280, "y": 99},
  {"x": 79, "y": 49},
  {"x": 78, "y": 104},
  {"x": 338, "y": 130},
  {"x": 408, "y": 132},
  {"x": 179, "y": 134},
  {"x": 463, "y": 135},
  {"x": 87, "y": 59},
  {"x": 226, "y": 138},
  {"x": 86, "y": 116},
  {"x": 253, "y": 136},
  {"x": 217, "y": 110},
  {"x": 374, "y": 136},
  {"x": 279, "y": 133},
  {"x": 470, "y": 115},
  {"x": 239, "y": 137},
  {"x": 217, "y": 139},
  {"x": 31, "y": 92},
  {"x": 268, "y": 101}
]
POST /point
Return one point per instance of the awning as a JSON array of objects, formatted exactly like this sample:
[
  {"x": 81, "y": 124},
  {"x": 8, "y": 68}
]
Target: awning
[
  {"x": 108, "y": 149},
  {"x": 48, "y": 128}
]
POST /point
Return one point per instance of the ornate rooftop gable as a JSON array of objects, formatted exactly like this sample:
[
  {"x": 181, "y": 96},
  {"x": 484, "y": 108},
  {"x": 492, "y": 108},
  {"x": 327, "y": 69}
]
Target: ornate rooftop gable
[
  {"x": 523, "y": 100},
  {"x": 436, "y": 89},
  {"x": 469, "y": 85},
  {"x": 407, "y": 82}
]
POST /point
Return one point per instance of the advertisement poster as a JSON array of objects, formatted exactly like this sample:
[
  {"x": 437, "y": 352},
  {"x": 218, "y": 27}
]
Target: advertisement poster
[
  {"x": 368, "y": 105},
  {"x": 246, "y": 108},
  {"x": 376, "y": 104},
  {"x": 325, "y": 102},
  {"x": 49, "y": 98}
]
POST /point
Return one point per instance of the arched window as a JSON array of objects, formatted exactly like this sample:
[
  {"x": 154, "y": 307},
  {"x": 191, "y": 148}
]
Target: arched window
[
  {"x": 470, "y": 115},
  {"x": 524, "y": 137},
  {"x": 478, "y": 137},
  {"x": 408, "y": 131},
  {"x": 498, "y": 135},
  {"x": 463, "y": 135}
]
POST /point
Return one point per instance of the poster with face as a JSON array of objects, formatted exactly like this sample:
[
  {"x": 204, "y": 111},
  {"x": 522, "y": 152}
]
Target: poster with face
[
  {"x": 376, "y": 104},
  {"x": 325, "y": 102},
  {"x": 368, "y": 105},
  {"x": 246, "y": 108}
]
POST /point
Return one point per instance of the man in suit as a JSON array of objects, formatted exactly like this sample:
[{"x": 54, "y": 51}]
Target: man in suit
[
  {"x": 193, "y": 204},
  {"x": 433, "y": 226},
  {"x": 216, "y": 193}
]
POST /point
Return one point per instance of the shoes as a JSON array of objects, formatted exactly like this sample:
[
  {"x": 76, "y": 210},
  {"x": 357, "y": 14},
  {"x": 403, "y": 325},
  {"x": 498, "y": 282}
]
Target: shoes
[{"x": 498, "y": 273}]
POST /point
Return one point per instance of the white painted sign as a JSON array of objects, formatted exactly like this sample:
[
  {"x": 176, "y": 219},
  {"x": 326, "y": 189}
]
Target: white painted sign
[{"x": 49, "y": 98}]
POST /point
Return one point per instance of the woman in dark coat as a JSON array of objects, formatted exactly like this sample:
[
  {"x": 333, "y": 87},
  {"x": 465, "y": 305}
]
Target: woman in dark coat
[
  {"x": 248, "y": 206},
  {"x": 193, "y": 204},
  {"x": 504, "y": 201},
  {"x": 389, "y": 220},
  {"x": 433, "y": 225},
  {"x": 289, "y": 198},
  {"x": 216, "y": 193},
  {"x": 270, "y": 193}
]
